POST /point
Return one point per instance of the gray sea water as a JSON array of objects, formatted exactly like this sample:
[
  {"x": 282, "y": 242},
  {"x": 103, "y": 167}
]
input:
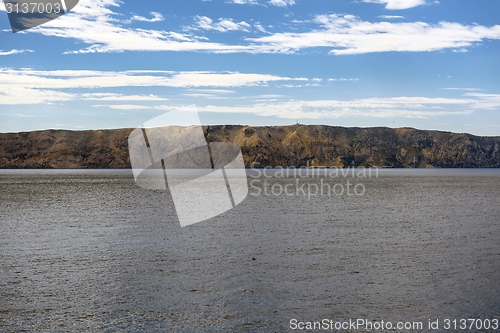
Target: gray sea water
[{"x": 89, "y": 251}]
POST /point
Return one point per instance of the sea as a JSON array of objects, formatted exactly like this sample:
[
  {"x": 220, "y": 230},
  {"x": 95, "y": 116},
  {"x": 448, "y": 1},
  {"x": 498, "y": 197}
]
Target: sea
[{"x": 386, "y": 250}]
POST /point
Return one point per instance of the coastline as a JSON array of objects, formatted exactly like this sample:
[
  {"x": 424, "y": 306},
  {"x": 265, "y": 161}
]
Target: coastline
[{"x": 314, "y": 146}]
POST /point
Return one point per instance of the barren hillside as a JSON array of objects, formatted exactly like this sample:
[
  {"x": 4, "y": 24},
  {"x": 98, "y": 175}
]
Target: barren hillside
[{"x": 296, "y": 145}]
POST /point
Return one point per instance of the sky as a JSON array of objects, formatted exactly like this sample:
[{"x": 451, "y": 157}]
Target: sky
[{"x": 357, "y": 63}]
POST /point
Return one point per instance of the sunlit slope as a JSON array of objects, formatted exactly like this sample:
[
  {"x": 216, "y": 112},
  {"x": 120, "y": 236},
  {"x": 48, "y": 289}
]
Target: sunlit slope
[{"x": 286, "y": 146}]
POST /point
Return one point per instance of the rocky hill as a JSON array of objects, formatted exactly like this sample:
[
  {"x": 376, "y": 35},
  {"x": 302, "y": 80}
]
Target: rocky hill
[{"x": 296, "y": 145}]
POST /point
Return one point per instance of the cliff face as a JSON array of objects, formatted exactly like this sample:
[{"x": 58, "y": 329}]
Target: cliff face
[
  {"x": 300, "y": 145},
  {"x": 65, "y": 149},
  {"x": 296, "y": 145}
]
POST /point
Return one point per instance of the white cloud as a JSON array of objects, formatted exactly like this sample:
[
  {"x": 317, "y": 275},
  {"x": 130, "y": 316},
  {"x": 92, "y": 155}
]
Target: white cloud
[
  {"x": 398, "y": 4},
  {"x": 123, "y": 107},
  {"x": 260, "y": 28},
  {"x": 278, "y": 3},
  {"x": 391, "y": 17},
  {"x": 243, "y": 2},
  {"x": 157, "y": 17},
  {"x": 462, "y": 89},
  {"x": 405, "y": 107},
  {"x": 120, "y": 97},
  {"x": 101, "y": 79},
  {"x": 343, "y": 79},
  {"x": 282, "y": 3},
  {"x": 14, "y": 51},
  {"x": 95, "y": 24},
  {"x": 224, "y": 25},
  {"x": 209, "y": 93},
  {"x": 349, "y": 35},
  {"x": 395, "y": 107},
  {"x": 17, "y": 95},
  {"x": 199, "y": 95},
  {"x": 27, "y": 86},
  {"x": 268, "y": 96},
  {"x": 26, "y": 115},
  {"x": 485, "y": 101},
  {"x": 334, "y": 109},
  {"x": 213, "y": 91}
]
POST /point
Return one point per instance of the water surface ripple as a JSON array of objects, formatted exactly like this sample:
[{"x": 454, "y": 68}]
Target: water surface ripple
[{"x": 88, "y": 251}]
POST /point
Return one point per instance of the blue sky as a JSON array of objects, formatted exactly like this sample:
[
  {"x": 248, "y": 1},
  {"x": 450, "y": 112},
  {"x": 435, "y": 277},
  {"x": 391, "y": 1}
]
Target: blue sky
[{"x": 113, "y": 64}]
